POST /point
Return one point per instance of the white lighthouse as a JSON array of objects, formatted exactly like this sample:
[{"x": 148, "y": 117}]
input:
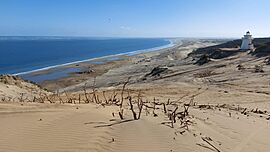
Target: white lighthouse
[{"x": 247, "y": 42}]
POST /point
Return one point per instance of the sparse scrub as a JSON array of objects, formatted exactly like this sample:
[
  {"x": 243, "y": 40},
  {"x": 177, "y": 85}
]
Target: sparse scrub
[
  {"x": 205, "y": 73},
  {"x": 124, "y": 99},
  {"x": 258, "y": 69}
]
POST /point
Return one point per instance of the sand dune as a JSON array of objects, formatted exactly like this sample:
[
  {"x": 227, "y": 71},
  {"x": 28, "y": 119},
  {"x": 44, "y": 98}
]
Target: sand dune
[
  {"x": 93, "y": 128},
  {"x": 13, "y": 88},
  {"x": 53, "y": 129},
  {"x": 229, "y": 109}
]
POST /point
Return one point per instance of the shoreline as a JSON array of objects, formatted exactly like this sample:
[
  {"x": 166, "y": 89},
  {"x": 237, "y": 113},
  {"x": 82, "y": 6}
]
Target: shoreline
[
  {"x": 109, "y": 72},
  {"x": 171, "y": 44},
  {"x": 223, "y": 102}
]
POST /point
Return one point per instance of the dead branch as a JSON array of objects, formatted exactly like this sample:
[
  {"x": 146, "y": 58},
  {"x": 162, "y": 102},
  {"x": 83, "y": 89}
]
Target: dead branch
[
  {"x": 79, "y": 98},
  {"x": 21, "y": 97},
  {"x": 154, "y": 107},
  {"x": 140, "y": 104},
  {"x": 41, "y": 99},
  {"x": 122, "y": 93},
  {"x": 204, "y": 139},
  {"x": 164, "y": 108},
  {"x": 186, "y": 106},
  {"x": 85, "y": 94},
  {"x": 121, "y": 114},
  {"x": 131, "y": 108},
  {"x": 69, "y": 100},
  {"x": 104, "y": 96},
  {"x": 94, "y": 91},
  {"x": 34, "y": 99},
  {"x": 47, "y": 97}
]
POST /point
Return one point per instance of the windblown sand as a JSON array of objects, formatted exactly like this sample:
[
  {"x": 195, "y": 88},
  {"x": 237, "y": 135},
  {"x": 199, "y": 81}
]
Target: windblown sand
[{"x": 218, "y": 121}]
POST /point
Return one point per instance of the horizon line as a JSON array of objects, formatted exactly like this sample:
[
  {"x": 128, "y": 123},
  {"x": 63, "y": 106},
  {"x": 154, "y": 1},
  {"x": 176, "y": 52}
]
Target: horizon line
[{"x": 78, "y": 36}]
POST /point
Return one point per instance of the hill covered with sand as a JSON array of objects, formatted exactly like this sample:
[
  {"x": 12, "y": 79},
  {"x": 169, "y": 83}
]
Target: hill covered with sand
[
  {"x": 14, "y": 89},
  {"x": 155, "y": 101}
]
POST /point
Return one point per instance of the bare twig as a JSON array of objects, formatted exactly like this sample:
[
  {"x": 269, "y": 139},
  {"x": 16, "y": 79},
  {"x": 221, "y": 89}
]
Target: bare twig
[
  {"x": 204, "y": 139},
  {"x": 122, "y": 93},
  {"x": 85, "y": 94},
  {"x": 131, "y": 108},
  {"x": 140, "y": 105},
  {"x": 104, "y": 96}
]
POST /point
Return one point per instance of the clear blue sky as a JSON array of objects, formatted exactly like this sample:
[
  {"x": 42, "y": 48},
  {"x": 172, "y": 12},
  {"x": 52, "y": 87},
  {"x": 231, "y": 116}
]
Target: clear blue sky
[{"x": 134, "y": 18}]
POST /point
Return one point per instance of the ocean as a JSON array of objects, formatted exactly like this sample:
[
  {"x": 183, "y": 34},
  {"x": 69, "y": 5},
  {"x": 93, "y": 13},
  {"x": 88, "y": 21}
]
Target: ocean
[{"x": 21, "y": 55}]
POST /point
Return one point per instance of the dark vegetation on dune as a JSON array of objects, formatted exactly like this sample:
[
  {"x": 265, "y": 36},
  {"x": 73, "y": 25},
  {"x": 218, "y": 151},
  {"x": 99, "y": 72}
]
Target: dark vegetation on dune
[
  {"x": 262, "y": 46},
  {"x": 215, "y": 52}
]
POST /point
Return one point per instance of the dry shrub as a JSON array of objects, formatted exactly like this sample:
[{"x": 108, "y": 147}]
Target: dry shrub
[
  {"x": 259, "y": 69},
  {"x": 205, "y": 73}
]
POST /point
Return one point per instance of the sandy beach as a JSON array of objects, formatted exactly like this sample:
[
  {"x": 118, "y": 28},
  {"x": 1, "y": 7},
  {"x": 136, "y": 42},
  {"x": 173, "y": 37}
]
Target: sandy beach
[{"x": 158, "y": 101}]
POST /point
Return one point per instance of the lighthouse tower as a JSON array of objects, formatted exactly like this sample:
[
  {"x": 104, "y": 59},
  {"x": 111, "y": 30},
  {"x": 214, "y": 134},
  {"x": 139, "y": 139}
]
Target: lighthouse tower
[{"x": 247, "y": 42}]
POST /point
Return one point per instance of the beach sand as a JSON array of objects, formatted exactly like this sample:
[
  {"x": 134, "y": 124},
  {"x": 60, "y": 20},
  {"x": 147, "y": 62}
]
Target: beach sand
[{"x": 228, "y": 107}]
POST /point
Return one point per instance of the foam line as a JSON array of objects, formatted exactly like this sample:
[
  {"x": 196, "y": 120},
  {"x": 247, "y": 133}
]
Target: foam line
[{"x": 103, "y": 57}]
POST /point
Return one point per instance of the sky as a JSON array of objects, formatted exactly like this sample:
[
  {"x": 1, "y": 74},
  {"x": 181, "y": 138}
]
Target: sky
[{"x": 135, "y": 18}]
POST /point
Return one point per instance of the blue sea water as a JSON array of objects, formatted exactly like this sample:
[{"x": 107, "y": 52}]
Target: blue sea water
[
  {"x": 22, "y": 54},
  {"x": 51, "y": 75}
]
